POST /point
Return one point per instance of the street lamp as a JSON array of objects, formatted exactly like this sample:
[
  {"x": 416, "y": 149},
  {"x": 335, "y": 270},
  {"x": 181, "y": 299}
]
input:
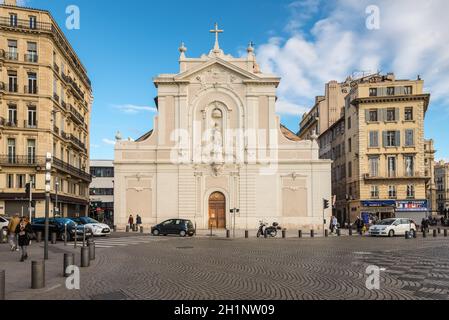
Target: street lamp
[
  {"x": 56, "y": 198},
  {"x": 47, "y": 201}
]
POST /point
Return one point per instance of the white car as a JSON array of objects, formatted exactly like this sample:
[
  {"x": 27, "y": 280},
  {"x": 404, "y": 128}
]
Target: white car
[
  {"x": 393, "y": 227},
  {"x": 98, "y": 229},
  {"x": 3, "y": 223}
]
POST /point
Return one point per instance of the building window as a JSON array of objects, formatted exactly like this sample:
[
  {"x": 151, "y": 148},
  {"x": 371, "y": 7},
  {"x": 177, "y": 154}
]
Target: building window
[
  {"x": 33, "y": 180},
  {"x": 374, "y": 192},
  {"x": 408, "y": 90},
  {"x": 392, "y": 139},
  {"x": 350, "y": 169},
  {"x": 10, "y": 181},
  {"x": 33, "y": 22},
  {"x": 373, "y": 92},
  {"x": 374, "y": 139},
  {"x": 32, "y": 83},
  {"x": 410, "y": 192},
  {"x": 12, "y": 50},
  {"x": 12, "y": 80},
  {"x": 13, "y": 20},
  {"x": 373, "y": 115},
  {"x": 409, "y": 138},
  {"x": 392, "y": 194},
  {"x": 349, "y": 123},
  {"x": 31, "y": 151},
  {"x": 409, "y": 166},
  {"x": 32, "y": 52},
  {"x": 374, "y": 166},
  {"x": 391, "y": 167},
  {"x": 32, "y": 117},
  {"x": 20, "y": 181},
  {"x": 408, "y": 114},
  {"x": 390, "y": 91},
  {"x": 12, "y": 150},
  {"x": 391, "y": 114},
  {"x": 12, "y": 116}
]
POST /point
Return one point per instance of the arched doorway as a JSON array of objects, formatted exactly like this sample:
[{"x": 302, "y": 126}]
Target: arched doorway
[{"x": 217, "y": 210}]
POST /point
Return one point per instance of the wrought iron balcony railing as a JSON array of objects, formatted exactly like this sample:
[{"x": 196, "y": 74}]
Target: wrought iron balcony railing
[
  {"x": 13, "y": 56},
  {"x": 30, "y": 124},
  {"x": 30, "y": 90},
  {"x": 76, "y": 115},
  {"x": 31, "y": 57}
]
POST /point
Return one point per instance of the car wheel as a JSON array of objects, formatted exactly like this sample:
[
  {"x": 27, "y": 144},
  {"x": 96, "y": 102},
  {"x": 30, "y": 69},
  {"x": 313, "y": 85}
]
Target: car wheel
[
  {"x": 182, "y": 233},
  {"x": 391, "y": 234},
  {"x": 156, "y": 232}
]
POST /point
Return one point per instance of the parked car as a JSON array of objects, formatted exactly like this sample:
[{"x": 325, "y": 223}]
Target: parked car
[
  {"x": 174, "y": 226},
  {"x": 98, "y": 229},
  {"x": 4, "y": 222},
  {"x": 58, "y": 225},
  {"x": 393, "y": 227}
]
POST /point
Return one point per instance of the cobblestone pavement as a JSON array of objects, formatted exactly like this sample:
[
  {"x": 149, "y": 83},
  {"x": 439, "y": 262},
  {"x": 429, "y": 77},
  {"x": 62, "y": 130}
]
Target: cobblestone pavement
[{"x": 214, "y": 268}]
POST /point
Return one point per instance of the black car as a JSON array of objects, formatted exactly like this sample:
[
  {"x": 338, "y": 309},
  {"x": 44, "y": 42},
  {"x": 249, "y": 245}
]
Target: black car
[
  {"x": 58, "y": 225},
  {"x": 174, "y": 226}
]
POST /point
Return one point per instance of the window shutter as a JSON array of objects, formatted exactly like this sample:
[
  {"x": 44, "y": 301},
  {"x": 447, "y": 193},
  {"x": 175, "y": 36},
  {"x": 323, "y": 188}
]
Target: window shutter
[
  {"x": 397, "y": 114},
  {"x": 384, "y": 139},
  {"x": 398, "y": 138},
  {"x": 366, "y": 115},
  {"x": 376, "y": 138}
]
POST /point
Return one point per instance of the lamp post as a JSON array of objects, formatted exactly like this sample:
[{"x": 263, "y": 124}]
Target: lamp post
[
  {"x": 47, "y": 201},
  {"x": 56, "y": 199}
]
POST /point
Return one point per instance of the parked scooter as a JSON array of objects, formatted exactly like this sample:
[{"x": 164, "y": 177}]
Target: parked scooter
[
  {"x": 265, "y": 231},
  {"x": 261, "y": 231}
]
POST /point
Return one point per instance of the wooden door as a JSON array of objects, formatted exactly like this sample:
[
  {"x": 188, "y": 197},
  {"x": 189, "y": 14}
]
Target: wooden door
[{"x": 217, "y": 211}]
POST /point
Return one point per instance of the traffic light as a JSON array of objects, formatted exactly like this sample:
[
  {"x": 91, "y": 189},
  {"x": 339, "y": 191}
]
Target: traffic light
[
  {"x": 325, "y": 204},
  {"x": 28, "y": 188}
]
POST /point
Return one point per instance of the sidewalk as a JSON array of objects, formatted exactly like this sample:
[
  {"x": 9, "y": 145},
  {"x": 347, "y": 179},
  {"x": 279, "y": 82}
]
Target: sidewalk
[{"x": 18, "y": 274}]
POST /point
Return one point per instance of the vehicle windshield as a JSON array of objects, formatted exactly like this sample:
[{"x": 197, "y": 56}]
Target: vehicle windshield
[
  {"x": 90, "y": 220},
  {"x": 387, "y": 222},
  {"x": 68, "y": 222}
]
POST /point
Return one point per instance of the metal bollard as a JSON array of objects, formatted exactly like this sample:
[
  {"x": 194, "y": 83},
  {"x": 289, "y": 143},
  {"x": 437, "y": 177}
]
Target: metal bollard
[
  {"x": 228, "y": 234},
  {"x": 91, "y": 250},
  {"x": 85, "y": 262},
  {"x": 37, "y": 274},
  {"x": 406, "y": 235},
  {"x": 127, "y": 228},
  {"x": 338, "y": 232},
  {"x": 350, "y": 231},
  {"x": 312, "y": 233},
  {"x": 141, "y": 229},
  {"x": 424, "y": 234},
  {"x": 2, "y": 284},
  {"x": 326, "y": 233},
  {"x": 299, "y": 233},
  {"x": 84, "y": 236},
  {"x": 3, "y": 236},
  {"x": 53, "y": 237},
  {"x": 246, "y": 234},
  {"x": 114, "y": 228},
  {"x": 69, "y": 260},
  {"x": 445, "y": 233},
  {"x": 439, "y": 231},
  {"x": 39, "y": 236},
  {"x": 435, "y": 234},
  {"x": 284, "y": 234},
  {"x": 65, "y": 234}
]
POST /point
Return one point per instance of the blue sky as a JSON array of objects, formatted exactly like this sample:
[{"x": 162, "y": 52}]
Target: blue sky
[{"x": 125, "y": 44}]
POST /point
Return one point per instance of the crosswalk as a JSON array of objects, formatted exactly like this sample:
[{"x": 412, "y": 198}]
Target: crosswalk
[{"x": 106, "y": 243}]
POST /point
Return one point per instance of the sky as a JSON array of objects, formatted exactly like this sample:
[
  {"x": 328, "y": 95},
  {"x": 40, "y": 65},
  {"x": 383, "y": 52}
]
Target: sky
[{"x": 124, "y": 45}]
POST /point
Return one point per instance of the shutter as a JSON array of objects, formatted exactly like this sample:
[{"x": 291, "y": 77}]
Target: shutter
[
  {"x": 397, "y": 114},
  {"x": 380, "y": 117},
  {"x": 384, "y": 115},
  {"x": 367, "y": 116},
  {"x": 384, "y": 139},
  {"x": 383, "y": 92},
  {"x": 376, "y": 139},
  {"x": 398, "y": 138}
]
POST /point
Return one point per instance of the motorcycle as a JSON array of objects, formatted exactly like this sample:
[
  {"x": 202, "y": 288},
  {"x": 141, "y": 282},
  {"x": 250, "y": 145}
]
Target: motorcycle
[
  {"x": 271, "y": 231},
  {"x": 261, "y": 230}
]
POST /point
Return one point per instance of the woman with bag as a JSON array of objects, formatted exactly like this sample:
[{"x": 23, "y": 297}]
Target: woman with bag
[{"x": 25, "y": 233}]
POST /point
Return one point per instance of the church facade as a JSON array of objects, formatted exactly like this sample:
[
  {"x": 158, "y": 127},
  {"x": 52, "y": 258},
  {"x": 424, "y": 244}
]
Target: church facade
[{"x": 218, "y": 154}]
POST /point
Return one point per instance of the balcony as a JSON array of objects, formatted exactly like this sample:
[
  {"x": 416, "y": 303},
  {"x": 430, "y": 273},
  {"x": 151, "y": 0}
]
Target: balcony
[
  {"x": 56, "y": 67},
  {"x": 12, "y": 56},
  {"x": 78, "y": 143},
  {"x": 30, "y": 90},
  {"x": 56, "y": 97},
  {"x": 64, "y": 105},
  {"x": 63, "y": 166},
  {"x": 15, "y": 160},
  {"x": 31, "y": 57},
  {"x": 64, "y": 135},
  {"x": 30, "y": 125},
  {"x": 2, "y": 86},
  {"x": 416, "y": 176},
  {"x": 76, "y": 115},
  {"x": 56, "y": 130},
  {"x": 10, "y": 124},
  {"x": 13, "y": 87}
]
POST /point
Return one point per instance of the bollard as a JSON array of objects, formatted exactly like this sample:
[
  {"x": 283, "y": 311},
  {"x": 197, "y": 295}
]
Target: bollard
[
  {"x": 37, "y": 274},
  {"x": 299, "y": 233},
  {"x": 435, "y": 234},
  {"x": 114, "y": 228},
  {"x": 65, "y": 234},
  {"x": 69, "y": 260},
  {"x": 284, "y": 234},
  {"x": 2, "y": 284},
  {"x": 127, "y": 228},
  {"x": 3, "y": 236},
  {"x": 445, "y": 233},
  {"x": 424, "y": 234},
  {"x": 246, "y": 234},
  {"x": 91, "y": 250},
  {"x": 326, "y": 233},
  {"x": 228, "y": 234},
  {"x": 134, "y": 228},
  {"x": 406, "y": 235},
  {"x": 39, "y": 236},
  {"x": 141, "y": 229},
  {"x": 53, "y": 237},
  {"x": 312, "y": 233},
  {"x": 439, "y": 231},
  {"x": 350, "y": 231},
  {"x": 84, "y": 236},
  {"x": 85, "y": 262},
  {"x": 338, "y": 232}
]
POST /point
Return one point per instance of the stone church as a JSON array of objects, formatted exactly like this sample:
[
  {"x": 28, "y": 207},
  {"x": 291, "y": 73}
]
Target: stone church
[{"x": 218, "y": 145}]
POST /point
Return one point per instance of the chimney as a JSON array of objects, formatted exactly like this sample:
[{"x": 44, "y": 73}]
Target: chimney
[{"x": 11, "y": 2}]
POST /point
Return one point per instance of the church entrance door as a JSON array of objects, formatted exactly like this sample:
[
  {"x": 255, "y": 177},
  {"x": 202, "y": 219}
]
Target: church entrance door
[{"x": 217, "y": 210}]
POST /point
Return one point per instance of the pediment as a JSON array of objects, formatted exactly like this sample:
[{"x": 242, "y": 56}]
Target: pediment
[{"x": 217, "y": 71}]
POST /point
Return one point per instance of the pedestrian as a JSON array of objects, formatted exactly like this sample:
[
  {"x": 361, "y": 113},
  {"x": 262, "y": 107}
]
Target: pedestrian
[
  {"x": 334, "y": 223},
  {"x": 13, "y": 223},
  {"x": 25, "y": 233},
  {"x": 131, "y": 221},
  {"x": 138, "y": 221},
  {"x": 360, "y": 224}
]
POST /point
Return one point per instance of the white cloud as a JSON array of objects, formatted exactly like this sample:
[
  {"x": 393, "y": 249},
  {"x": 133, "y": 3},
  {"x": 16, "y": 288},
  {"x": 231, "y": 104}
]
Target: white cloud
[
  {"x": 109, "y": 141},
  {"x": 134, "y": 109},
  {"x": 412, "y": 40}
]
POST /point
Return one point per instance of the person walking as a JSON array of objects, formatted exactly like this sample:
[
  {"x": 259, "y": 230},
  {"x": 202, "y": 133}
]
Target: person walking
[
  {"x": 131, "y": 221},
  {"x": 138, "y": 222},
  {"x": 25, "y": 233},
  {"x": 13, "y": 223},
  {"x": 360, "y": 224},
  {"x": 334, "y": 224}
]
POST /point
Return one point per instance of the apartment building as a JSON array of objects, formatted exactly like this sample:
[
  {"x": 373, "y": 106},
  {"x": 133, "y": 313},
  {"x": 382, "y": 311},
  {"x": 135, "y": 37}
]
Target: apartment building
[
  {"x": 45, "y": 106},
  {"x": 102, "y": 190},
  {"x": 442, "y": 185}
]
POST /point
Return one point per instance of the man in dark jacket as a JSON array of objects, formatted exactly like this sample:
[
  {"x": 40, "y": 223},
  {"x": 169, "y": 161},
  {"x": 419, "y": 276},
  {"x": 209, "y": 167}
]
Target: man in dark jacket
[{"x": 25, "y": 233}]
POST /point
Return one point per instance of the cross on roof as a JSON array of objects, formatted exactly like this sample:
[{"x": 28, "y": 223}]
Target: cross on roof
[{"x": 216, "y": 31}]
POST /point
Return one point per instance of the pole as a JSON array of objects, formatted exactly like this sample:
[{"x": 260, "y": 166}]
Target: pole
[
  {"x": 47, "y": 201},
  {"x": 76, "y": 235},
  {"x": 65, "y": 234},
  {"x": 56, "y": 199},
  {"x": 30, "y": 209}
]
